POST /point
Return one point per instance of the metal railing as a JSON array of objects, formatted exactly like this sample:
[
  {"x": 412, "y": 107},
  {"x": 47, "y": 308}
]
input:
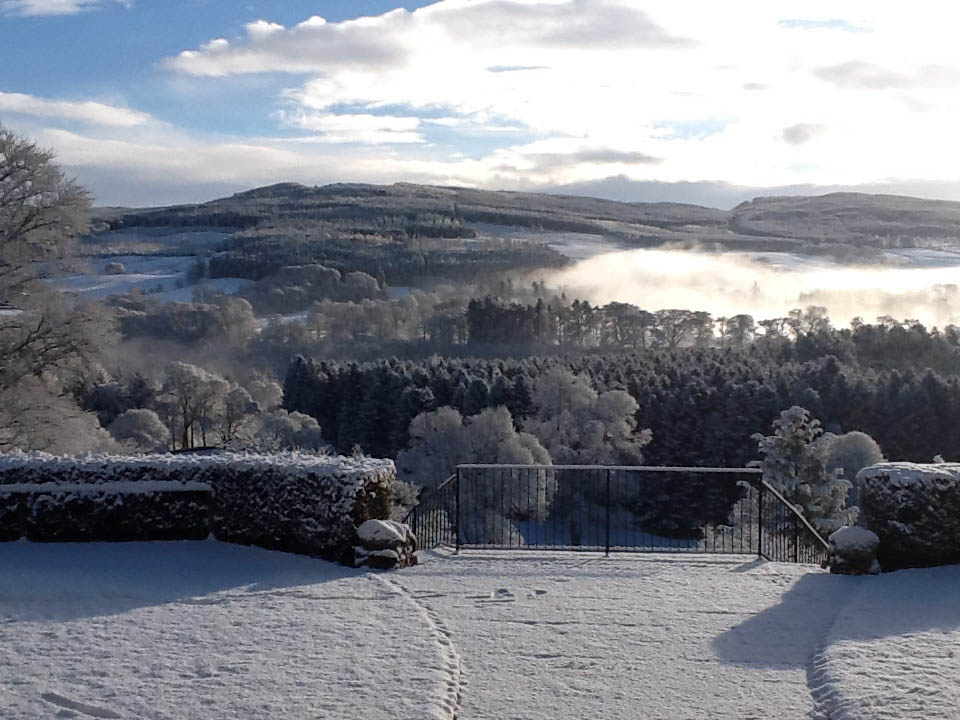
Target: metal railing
[
  {"x": 786, "y": 535},
  {"x": 433, "y": 518},
  {"x": 614, "y": 509}
]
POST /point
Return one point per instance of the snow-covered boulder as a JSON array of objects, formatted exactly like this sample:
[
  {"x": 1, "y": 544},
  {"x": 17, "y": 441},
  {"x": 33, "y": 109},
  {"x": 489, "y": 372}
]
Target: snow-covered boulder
[
  {"x": 853, "y": 551},
  {"x": 385, "y": 544},
  {"x": 915, "y": 511}
]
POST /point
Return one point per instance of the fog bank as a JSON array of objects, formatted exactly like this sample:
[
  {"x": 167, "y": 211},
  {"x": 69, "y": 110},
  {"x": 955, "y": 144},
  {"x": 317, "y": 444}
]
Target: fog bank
[{"x": 769, "y": 285}]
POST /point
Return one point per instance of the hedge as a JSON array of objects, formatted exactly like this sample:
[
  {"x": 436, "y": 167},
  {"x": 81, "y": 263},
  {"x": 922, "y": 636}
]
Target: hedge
[
  {"x": 287, "y": 501},
  {"x": 915, "y": 511}
]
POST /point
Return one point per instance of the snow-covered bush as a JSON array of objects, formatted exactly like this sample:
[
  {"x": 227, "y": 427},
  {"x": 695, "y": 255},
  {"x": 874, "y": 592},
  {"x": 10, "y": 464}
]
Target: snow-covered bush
[
  {"x": 853, "y": 551},
  {"x": 285, "y": 501},
  {"x": 141, "y": 429},
  {"x": 915, "y": 511},
  {"x": 795, "y": 461}
]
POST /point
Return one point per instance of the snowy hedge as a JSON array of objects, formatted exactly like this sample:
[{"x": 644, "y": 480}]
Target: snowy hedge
[
  {"x": 302, "y": 503},
  {"x": 914, "y": 510},
  {"x": 284, "y": 501}
]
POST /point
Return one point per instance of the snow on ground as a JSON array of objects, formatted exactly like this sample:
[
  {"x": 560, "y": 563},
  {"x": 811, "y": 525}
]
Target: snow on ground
[
  {"x": 576, "y": 246},
  {"x": 207, "y": 630},
  {"x": 550, "y": 635},
  {"x": 894, "y": 651},
  {"x": 147, "y": 273},
  {"x": 204, "y": 629}
]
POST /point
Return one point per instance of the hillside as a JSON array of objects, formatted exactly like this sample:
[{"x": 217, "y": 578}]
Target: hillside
[
  {"x": 392, "y": 213},
  {"x": 874, "y": 220}
]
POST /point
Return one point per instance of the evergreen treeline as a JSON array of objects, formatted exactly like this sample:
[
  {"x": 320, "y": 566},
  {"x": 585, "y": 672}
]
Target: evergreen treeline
[{"x": 701, "y": 404}]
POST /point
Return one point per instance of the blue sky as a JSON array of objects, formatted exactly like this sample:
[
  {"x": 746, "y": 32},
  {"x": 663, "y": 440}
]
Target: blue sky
[
  {"x": 151, "y": 102},
  {"x": 111, "y": 52}
]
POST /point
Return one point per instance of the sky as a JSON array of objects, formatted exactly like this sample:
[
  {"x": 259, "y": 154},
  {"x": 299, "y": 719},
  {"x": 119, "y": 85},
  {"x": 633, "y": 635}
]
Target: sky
[{"x": 150, "y": 103}]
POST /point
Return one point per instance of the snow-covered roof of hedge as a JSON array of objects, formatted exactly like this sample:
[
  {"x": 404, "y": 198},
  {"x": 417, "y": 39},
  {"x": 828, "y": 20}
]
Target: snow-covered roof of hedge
[
  {"x": 906, "y": 472},
  {"x": 144, "y": 487},
  {"x": 291, "y": 463}
]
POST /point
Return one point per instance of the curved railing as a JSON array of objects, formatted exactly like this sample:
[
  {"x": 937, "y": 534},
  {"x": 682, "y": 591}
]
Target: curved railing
[
  {"x": 433, "y": 518},
  {"x": 785, "y": 534}
]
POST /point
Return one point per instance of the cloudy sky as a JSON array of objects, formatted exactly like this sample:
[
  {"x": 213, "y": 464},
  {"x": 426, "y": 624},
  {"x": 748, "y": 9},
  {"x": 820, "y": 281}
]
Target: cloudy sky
[{"x": 152, "y": 102}]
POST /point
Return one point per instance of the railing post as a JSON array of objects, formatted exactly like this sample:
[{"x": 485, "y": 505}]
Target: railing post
[
  {"x": 457, "y": 521},
  {"x": 760, "y": 517},
  {"x": 608, "y": 515},
  {"x": 796, "y": 539}
]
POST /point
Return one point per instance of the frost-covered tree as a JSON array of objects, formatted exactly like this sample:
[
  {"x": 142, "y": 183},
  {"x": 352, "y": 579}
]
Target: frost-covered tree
[
  {"x": 795, "y": 462},
  {"x": 266, "y": 391},
  {"x": 281, "y": 430},
  {"x": 191, "y": 397},
  {"x": 443, "y": 439},
  {"x": 851, "y": 452},
  {"x": 437, "y": 446},
  {"x": 579, "y": 426},
  {"x": 239, "y": 408},
  {"x": 46, "y": 342},
  {"x": 140, "y": 429},
  {"x": 37, "y": 415}
]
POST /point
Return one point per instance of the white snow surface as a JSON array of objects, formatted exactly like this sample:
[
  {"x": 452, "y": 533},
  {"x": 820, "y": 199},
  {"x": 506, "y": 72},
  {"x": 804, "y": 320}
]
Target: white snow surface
[
  {"x": 291, "y": 463},
  {"x": 854, "y": 538},
  {"x": 204, "y": 629},
  {"x": 893, "y": 652},
  {"x": 126, "y": 488},
  {"x": 906, "y": 473},
  {"x": 381, "y": 532}
]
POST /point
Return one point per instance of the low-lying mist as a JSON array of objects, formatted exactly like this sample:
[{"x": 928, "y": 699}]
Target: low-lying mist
[{"x": 766, "y": 286}]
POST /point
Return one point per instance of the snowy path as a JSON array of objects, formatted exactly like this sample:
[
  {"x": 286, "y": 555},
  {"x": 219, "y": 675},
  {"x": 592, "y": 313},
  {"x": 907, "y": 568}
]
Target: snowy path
[{"x": 554, "y": 635}]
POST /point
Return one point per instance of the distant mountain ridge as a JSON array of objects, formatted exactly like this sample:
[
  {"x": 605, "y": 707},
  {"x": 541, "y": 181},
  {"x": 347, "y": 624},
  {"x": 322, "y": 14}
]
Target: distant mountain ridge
[{"x": 405, "y": 210}]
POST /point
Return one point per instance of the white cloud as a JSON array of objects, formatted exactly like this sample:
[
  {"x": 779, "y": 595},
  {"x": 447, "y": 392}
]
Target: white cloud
[
  {"x": 753, "y": 92},
  {"x": 85, "y": 111},
  {"x": 362, "y": 128},
  {"x": 52, "y": 7},
  {"x": 529, "y": 93}
]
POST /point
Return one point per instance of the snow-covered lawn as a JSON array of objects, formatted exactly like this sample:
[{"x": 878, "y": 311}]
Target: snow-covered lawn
[{"x": 208, "y": 630}]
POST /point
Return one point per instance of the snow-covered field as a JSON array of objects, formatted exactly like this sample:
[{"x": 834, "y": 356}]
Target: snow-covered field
[
  {"x": 204, "y": 629},
  {"x": 146, "y": 273},
  {"x": 576, "y": 246}
]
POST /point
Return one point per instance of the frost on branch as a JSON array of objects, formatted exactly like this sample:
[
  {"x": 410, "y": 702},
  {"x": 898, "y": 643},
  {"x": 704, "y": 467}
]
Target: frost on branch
[{"x": 795, "y": 461}]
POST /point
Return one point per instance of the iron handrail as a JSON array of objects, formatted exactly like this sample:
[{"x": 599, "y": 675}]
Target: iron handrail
[
  {"x": 441, "y": 486},
  {"x": 630, "y": 468},
  {"x": 798, "y": 515}
]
